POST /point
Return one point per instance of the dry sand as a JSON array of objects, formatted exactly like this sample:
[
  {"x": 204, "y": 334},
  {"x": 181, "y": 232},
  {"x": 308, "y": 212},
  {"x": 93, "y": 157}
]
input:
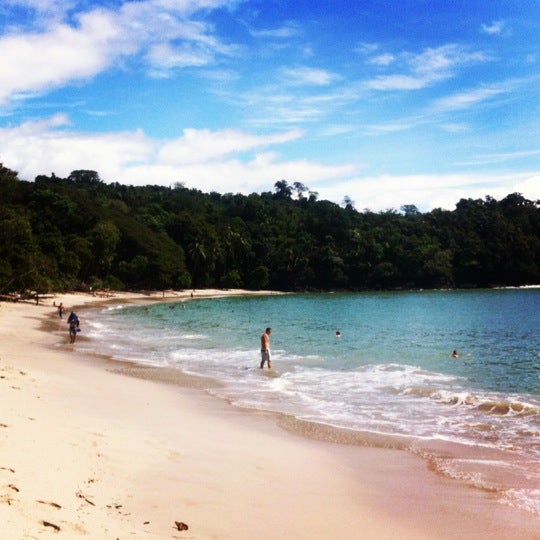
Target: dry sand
[{"x": 87, "y": 451}]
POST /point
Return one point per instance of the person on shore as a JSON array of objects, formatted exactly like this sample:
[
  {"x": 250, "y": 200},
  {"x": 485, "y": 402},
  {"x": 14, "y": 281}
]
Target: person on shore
[
  {"x": 61, "y": 310},
  {"x": 73, "y": 321},
  {"x": 265, "y": 348}
]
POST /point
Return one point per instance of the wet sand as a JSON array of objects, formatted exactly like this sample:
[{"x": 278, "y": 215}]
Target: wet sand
[{"x": 90, "y": 447}]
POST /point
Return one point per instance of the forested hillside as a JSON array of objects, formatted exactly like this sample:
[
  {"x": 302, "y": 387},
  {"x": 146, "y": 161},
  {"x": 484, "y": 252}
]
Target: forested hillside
[{"x": 80, "y": 232}]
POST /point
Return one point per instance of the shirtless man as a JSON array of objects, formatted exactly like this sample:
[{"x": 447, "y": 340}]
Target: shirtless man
[{"x": 265, "y": 348}]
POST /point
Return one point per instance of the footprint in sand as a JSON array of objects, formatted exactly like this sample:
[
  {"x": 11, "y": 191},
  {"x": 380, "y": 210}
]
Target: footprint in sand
[
  {"x": 8, "y": 498},
  {"x": 53, "y": 504},
  {"x": 51, "y": 525}
]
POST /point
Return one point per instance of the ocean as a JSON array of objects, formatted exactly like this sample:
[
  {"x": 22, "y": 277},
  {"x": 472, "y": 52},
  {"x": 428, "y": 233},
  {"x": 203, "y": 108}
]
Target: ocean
[{"x": 390, "y": 379}]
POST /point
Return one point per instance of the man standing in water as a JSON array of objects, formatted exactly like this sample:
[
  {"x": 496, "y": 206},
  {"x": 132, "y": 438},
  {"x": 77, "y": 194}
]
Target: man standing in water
[{"x": 265, "y": 348}]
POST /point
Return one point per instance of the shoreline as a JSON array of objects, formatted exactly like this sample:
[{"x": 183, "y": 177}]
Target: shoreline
[{"x": 123, "y": 454}]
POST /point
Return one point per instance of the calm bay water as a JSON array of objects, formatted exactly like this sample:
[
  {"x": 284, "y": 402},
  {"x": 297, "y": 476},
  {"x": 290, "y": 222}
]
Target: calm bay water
[{"x": 475, "y": 418}]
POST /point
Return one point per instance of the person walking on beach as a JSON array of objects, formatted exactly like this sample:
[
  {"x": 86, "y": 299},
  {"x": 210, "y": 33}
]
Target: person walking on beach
[
  {"x": 73, "y": 321},
  {"x": 265, "y": 348},
  {"x": 61, "y": 310}
]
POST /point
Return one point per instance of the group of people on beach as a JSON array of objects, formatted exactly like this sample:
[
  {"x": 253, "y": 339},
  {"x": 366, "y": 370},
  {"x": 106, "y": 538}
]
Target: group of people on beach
[
  {"x": 265, "y": 348},
  {"x": 74, "y": 328},
  {"x": 74, "y": 325}
]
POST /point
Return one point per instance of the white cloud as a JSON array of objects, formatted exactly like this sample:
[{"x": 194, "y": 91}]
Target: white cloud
[
  {"x": 281, "y": 104},
  {"x": 428, "y": 67},
  {"x": 529, "y": 186},
  {"x": 223, "y": 161},
  {"x": 501, "y": 157},
  {"x": 44, "y": 146},
  {"x": 232, "y": 175},
  {"x": 366, "y": 48},
  {"x": 439, "y": 62},
  {"x": 40, "y": 60},
  {"x": 393, "y": 127},
  {"x": 203, "y": 145},
  {"x": 441, "y": 111},
  {"x": 382, "y": 60},
  {"x": 396, "y": 82},
  {"x": 338, "y": 129},
  {"x": 235, "y": 161},
  {"x": 287, "y": 30},
  {"x": 430, "y": 191},
  {"x": 61, "y": 54},
  {"x": 495, "y": 28},
  {"x": 466, "y": 99},
  {"x": 308, "y": 76},
  {"x": 163, "y": 58}
]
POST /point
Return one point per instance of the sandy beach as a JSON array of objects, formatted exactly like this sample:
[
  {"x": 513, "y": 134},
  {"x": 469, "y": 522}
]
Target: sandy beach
[{"x": 95, "y": 448}]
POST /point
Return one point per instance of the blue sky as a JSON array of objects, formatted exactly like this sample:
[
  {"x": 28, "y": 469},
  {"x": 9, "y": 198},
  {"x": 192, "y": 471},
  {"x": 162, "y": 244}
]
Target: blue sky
[{"x": 387, "y": 102}]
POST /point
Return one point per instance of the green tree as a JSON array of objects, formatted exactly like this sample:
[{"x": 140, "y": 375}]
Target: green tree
[
  {"x": 283, "y": 190},
  {"x": 259, "y": 278},
  {"x": 104, "y": 238},
  {"x": 18, "y": 251}
]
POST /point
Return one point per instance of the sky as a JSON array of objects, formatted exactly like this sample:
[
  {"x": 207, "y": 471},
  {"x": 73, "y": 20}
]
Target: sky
[{"x": 384, "y": 102}]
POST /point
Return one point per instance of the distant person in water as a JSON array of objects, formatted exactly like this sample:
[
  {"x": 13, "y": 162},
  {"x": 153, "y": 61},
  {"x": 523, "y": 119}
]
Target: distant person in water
[
  {"x": 338, "y": 334},
  {"x": 73, "y": 321},
  {"x": 265, "y": 348},
  {"x": 455, "y": 354}
]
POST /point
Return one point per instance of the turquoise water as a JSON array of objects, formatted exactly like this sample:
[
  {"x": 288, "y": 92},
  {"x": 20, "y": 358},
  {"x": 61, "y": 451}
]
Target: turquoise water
[{"x": 476, "y": 417}]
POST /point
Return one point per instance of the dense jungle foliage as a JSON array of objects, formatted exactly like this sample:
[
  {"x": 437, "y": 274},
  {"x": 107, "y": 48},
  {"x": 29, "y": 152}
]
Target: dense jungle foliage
[{"x": 79, "y": 233}]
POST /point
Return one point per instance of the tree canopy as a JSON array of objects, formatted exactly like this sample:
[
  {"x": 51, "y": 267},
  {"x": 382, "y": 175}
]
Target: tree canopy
[{"x": 80, "y": 232}]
